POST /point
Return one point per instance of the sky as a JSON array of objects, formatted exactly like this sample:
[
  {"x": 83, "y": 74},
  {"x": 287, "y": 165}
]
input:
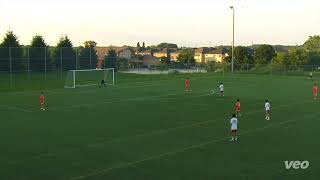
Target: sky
[{"x": 193, "y": 23}]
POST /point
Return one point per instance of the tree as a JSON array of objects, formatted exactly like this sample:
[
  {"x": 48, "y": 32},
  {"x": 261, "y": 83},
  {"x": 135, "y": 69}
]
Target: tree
[
  {"x": 313, "y": 43},
  {"x": 138, "y": 45},
  {"x": 65, "y": 54},
  {"x": 313, "y": 57},
  {"x": 312, "y": 50},
  {"x": 297, "y": 56},
  {"x": 167, "y": 45},
  {"x": 282, "y": 59},
  {"x": 38, "y": 54},
  {"x": 186, "y": 56},
  {"x": 264, "y": 54},
  {"x": 90, "y": 44},
  {"x": 110, "y": 59},
  {"x": 143, "y": 46},
  {"x": 165, "y": 60},
  {"x": 243, "y": 55},
  {"x": 88, "y": 55},
  {"x": 11, "y": 51},
  {"x": 122, "y": 63}
]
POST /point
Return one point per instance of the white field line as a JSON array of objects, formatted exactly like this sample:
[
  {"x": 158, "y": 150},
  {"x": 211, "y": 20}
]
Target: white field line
[
  {"x": 121, "y": 86},
  {"x": 108, "y": 101},
  {"x": 121, "y": 139},
  {"x": 93, "y": 104},
  {"x": 147, "y": 98},
  {"x": 104, "y": 102},
  {"x": 9, "y": 108},
  {"x": 159, "y": 156}
]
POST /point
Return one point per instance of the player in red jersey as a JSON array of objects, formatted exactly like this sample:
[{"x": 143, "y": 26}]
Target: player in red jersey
[
  {"x": 42, "y": 101},
  {"x": 187, "y": 82},
  {"x": 238, "y": 108},
  {"x": 315, "y": 92}
]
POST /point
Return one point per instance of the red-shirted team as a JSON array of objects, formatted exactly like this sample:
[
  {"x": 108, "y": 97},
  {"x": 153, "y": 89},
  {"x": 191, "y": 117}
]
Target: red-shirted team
[
  {"x": 42, "y": 102},
  {"x": 233, "y": 121}
]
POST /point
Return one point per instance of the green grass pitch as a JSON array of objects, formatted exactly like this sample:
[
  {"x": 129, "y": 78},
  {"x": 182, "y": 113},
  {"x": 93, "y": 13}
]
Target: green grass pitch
[{"x": 148, "y": 128}]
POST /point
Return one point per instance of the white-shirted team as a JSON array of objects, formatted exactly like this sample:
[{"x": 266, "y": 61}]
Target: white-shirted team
[{"x": 234, "y": 120}]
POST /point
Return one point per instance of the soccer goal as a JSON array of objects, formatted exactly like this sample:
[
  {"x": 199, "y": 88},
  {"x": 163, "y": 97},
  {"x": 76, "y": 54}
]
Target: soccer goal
[{"x": 89, "y": 77}]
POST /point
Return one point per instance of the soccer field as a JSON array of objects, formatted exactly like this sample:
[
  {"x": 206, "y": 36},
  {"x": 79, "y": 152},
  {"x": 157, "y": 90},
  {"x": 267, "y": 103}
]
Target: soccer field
[{"x": 147, "y": 128}]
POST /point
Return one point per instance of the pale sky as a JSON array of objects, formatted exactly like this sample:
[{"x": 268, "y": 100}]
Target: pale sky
[{"x": 185, "y": 22}]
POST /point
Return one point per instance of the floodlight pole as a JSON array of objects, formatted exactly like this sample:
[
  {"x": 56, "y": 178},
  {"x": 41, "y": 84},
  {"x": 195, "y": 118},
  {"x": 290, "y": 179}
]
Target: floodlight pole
[{"x": 232, "y": 63}]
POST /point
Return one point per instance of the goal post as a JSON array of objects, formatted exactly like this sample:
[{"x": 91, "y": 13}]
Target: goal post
[{"x": 89, "y": 77}]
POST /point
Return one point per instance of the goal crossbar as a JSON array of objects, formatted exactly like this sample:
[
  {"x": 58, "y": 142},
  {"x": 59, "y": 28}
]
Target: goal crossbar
[{"x": 89, "y": 77}]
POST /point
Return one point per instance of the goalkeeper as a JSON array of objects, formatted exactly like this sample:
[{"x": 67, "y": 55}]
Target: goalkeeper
[{"x": 103, "y": 83}]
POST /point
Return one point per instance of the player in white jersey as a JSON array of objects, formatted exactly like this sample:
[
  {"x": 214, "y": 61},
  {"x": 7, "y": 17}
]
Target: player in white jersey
[
  {"x": 234, "y": 127},
  {"x": 221, "y": 88},
  {"x": 267, "y": 106}
]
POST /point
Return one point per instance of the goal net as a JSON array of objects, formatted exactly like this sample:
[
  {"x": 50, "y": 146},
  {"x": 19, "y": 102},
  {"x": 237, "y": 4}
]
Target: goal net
[{"x": 89, "y": 77}]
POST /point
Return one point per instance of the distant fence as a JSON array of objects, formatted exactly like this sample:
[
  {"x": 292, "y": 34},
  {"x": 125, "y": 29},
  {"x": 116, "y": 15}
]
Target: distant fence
[
  {"x": 169, "y": 71},
  {"x": 221, "y": 68},
  {"x": 46, "y": 59},
  {"x": 276, "y": 70},
  {"x": 51, "y": 63}
]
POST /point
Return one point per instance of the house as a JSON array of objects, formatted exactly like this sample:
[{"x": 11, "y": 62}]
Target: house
[
  {"x": 150, "y": 61},
  {"x": 146, "y": 52},
  {"x": 199, "y": 54},
  {"x": 135, "y": 63},
  {"x": 174, "y": 55},
  {"x": 216, "y": 55},
  {"x": 163, "y": 53},
  {"x": 209, "y": 54},
  {"x": 122, "y": 52}
]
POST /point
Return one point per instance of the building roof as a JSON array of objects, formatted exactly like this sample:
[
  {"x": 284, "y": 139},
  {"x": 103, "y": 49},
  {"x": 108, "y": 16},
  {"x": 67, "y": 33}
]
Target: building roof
[
  {"x": 203, "y": 50},
  {"x": 147, "y": 51},
  {"x": 176, "y": 52},
  {"x": 105, "y": 50},
  {"x": 166, "y": 50},
  {"x": 135, "y": 61},
  {"x": 151, "y": 60},
  {"x": 217, "y": 51}
]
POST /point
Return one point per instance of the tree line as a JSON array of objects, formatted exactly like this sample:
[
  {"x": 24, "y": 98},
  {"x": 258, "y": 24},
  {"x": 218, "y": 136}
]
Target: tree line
[
  {"x": 307, "y": 54},
  {"x": 39, "y": 57}
]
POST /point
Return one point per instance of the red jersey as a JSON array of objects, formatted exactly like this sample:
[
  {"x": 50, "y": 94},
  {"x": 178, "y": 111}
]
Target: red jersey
[
  {"x": 238, "y": 106},
  {"x": 41, "y": 98},
  {"x": 315, "y": 89},
  {"x": 187, "y": 82}
]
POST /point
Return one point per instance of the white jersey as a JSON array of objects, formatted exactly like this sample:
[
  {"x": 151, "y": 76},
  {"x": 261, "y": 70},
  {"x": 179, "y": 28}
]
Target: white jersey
[
  {"x": 221, "y": 87},
  {"x": 267, "y": 106},
  {"x": 234, "y": 123}
]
